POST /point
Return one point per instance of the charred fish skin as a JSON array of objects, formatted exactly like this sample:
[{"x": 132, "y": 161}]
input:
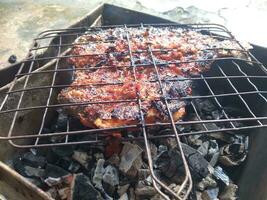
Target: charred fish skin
[{"x": 151, "y": 64}]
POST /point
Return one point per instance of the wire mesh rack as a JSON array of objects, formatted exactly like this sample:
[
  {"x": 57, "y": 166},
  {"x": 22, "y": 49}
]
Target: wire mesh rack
[{"x": 240, "y": 78}]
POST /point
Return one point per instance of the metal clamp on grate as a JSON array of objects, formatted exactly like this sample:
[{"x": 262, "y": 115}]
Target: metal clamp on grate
[{"x": 145, "y": 82}]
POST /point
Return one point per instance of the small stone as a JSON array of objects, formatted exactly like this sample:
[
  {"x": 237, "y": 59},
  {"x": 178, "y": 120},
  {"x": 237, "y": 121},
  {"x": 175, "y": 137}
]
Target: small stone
[
  {"x": 12, "y": 59},
  {"x": 81, "y": 157}
]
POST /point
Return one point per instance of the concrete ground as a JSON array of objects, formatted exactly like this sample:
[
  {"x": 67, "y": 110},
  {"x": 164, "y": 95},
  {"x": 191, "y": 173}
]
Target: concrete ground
[{"x": 22, "y": 20}]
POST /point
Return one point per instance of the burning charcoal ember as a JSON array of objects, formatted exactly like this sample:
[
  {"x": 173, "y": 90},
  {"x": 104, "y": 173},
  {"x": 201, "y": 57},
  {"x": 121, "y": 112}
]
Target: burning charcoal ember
[
  {"x": 210, "y": 194},
  {"x": 220, "y": 175},
  {"x": 207, "y": 182},
  {"x": 131, "y": 160},
  {"x": 33, "y": 160},
  {"x": 110, "y": 179},
  {"x": 81, "y": 157},
  {"x": 82, "y": 188},
  {"x": 233, "y": 154},
  {"x": 54, "y": 171},
  {"x": 229, "y": 193},
  {"x": 98, "y": 174},
  {"x": 122, "y": 189},
  {"x": 124, "y": 197}
]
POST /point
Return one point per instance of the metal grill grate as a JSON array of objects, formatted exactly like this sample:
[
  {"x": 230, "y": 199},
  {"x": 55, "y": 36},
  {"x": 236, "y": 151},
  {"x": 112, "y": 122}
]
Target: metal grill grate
[{"x": 241, "y": 77}]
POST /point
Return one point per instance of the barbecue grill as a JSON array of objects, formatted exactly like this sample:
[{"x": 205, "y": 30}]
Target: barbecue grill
[{"x": 29, "y": 101}]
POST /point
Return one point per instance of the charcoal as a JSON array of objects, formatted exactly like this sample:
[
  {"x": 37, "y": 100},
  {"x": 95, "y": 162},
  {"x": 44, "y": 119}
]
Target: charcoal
[
  {"x": 98, "y": 155},
  {"x": 33, "y": 160},
  {"x": 214, "y": 159},
  {"x": 171, "y": 165},
  {"x": 207, "y": 182},
  {"x": 62, "y": 151},
  {"x": 61, "y": 122},
  {"x": 210, "y": 194},
  {"x": 64, "y": 193},
  {"x": 82, "y": 188},
  {"x": 34, "y": 172},
  {"x": 35, "y": 181},
  {"x": 220, "y": 175},
  {"x": 50, "y": 181},
  {"x": 74, "y": 167},
  {"x": 27, "y": 171},
  {"x": 131, "y": 194},
  {"x": 52, "y": 192},
  {"x": 81, "y": 157},
  {"x": 114, "y": 160},
  {"x": 54, "y": 171},
  {"x": 210, "y": 150},
  {"x": 111, "y": 179},
  {"x": 98, "y": 174},
  {"x": 124, "y": 197},
  {"x": 233, "y": 154},
  {"x": 229, "y": 193},
  {"x": 144, "y": 191},
  {"x": 131, "y": 159},
  {"x": 122, "y": 189}
]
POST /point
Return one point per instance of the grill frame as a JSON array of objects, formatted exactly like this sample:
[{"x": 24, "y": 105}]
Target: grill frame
[
  {"x": 33, "y": 52},
  {"x": 187, "y": 184}
]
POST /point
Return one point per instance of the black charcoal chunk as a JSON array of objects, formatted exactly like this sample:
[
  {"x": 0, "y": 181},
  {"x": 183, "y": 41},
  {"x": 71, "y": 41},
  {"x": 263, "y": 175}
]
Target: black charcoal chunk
[
  {"x": 171, "y": 165},
  {"x": 82, "y": 189},
  {"x": 33, "y": 160},
  {"x": 221, "y": 175},
  {"x": 54, "y": 171},
  {"x": 110, "y": 179}
]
